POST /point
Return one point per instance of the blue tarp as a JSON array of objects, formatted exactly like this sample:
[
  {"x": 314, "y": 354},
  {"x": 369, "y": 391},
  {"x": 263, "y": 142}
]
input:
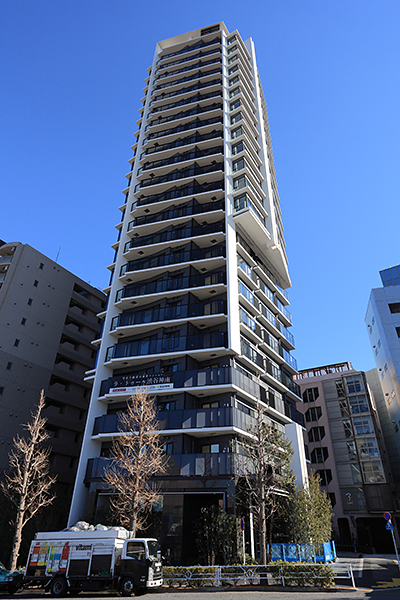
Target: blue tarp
[{"x": 304, "y": 552}]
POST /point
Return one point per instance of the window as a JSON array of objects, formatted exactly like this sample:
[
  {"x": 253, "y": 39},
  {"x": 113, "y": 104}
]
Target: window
[
  {"x": 41, "y": 266},
  {"x": 310, "y": 394},
  {"x": 351, "y": 449},
  {"x": 361, "y": 499},
  {"x": 136, "y": 550},
  {"x": 9, "y": 365},
  {"x": 348, "y": 430},
  {"x": 30, "y": 300},
  {"x": 35, "y": 283},
  {"x": 167, "y": 406},
  {"x": 358, "y": 404},
  {"x": 1, "y": 390},
  {"x": 235, "y": 105},
  {"x": 398, "y": 331},
  {"x": 340, "y": 389},
  {"x": 356, "y": 474},
  {"x": 236, "y": 133},
  {"x": 236, "y": 118},
  {"x": 233, "y": 70},
  {"x": 373, "y": 471},
  {"x": 363, "y": 425},
  {"x": 332, "y": 498},
  {"x": 234, "y": 92},
  {"x": 210, "y": 449},
  {"x": 325, "y": 475},
  {"x": 211, "y": 405},
  {"x": 313, "y": 413},
  {"x": 316, "y": 434},
  {"x": 319, "y": 455},
  {"x": 23, "y": 321},
  {"x": 394, "y": 308},
  {"x": 168, "y": 448},
  {"x": 238, "y": 164},
  {"x": 232, "y": 39},
  {"x": 354, "y": 384},
  {"x": 16, "y": 343},
  {"x": 234, "y": 80},
  {"x": 368, "y": 447},
  {"x": 239, "y": 183},
  {"x": 237, "y": 148},
  {"x": 344, "y": 408}
]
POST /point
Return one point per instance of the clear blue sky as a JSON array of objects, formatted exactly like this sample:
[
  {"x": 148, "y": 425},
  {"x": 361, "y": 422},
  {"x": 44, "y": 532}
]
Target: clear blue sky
[{"x": 72, "y": 74}]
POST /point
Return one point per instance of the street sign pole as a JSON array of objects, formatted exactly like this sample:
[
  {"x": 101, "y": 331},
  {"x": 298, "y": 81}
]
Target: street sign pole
[
  {"x": 389, "y": 527},
  {"x": 242, "y": 528}
]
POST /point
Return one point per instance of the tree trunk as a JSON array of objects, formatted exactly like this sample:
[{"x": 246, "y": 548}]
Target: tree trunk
[
  {"x": 262, "y": 525},
  {"x": 16, "y": 540}
]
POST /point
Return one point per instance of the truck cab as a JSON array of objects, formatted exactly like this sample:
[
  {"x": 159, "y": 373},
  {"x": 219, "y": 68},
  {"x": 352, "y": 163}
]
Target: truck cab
[{"x": 141, "y": 559}]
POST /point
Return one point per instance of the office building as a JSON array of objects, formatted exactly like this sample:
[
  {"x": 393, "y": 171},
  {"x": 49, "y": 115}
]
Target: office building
[
  {"x": 197, "y": 310},
  {"x": 48, "y": 318},
  {"x": 383, "y": 324},
  {"x": 346, "y": 449}
]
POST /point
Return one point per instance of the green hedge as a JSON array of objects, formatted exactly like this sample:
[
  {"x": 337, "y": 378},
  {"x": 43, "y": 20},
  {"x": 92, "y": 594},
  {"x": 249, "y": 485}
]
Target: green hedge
[{"x": 302, "y": 574}]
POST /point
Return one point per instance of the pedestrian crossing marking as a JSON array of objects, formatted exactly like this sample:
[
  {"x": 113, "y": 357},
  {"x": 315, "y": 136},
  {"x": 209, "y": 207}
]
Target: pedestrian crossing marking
[{"x": 388, "y": 584}]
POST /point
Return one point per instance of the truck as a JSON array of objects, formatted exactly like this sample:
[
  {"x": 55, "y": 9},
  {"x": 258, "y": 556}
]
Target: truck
[{"x": 74, "y": 561}]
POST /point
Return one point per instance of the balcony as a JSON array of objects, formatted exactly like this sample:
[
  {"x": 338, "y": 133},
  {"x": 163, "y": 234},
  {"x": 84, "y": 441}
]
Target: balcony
[
  {"x": 194, "y": 65},
  {"x": 187, "y": 90},
  {"x": 168, "y": 313},
  {"x": 190, "y": 48},
  {"x": 198, "y": 75},
  {"x": 192, "y": 139},
  {"x": 192, "y": 189},
  {"x": 197, "y": 110},
  {"x": 190, "y": 171},
  {"x": 197, "y": 98},
  {"x": 181, "y": 232},
  {"x": 196, "y": 153},
  {"x": 196, "y": 124},
  {"x": 204, "y": 419},
  {"x": 176, "y": 212},
  {"x": 242, "y": 202},
  {"x": 184, "y": 60},
  {"x": 172, "y": 344},
  {"x": 230, "y": 377},
  {"x": 180, "y": 465},
  {"x": 6, "y": 260}
]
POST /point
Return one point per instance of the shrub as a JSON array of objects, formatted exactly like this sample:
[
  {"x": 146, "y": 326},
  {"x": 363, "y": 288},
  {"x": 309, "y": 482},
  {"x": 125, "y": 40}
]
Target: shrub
[{"x": 302, "y": 574}]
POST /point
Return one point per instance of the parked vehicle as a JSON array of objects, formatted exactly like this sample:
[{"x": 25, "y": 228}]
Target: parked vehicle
[
  {"x": 77, "y": 561},
  {"x": 10, "y": 581}
]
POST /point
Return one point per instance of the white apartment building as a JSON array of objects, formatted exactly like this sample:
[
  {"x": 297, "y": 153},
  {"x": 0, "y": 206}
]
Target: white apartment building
[{"x": 197, "y": 309}]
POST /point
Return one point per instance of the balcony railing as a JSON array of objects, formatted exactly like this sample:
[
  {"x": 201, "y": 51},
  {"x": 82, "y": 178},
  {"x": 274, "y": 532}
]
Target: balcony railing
[
  {"x": 190, "y": 189},
  {"x": 170, "y": 284},
  {"x": 200, "y": 378},
  {"x": 145, "y": 347},
  {"x": 196, "y": 65},
  {"x": 190, "y": 171},
  {"x": 190, "y": 229},
  {"x": 197, "y": 110},
  {"x": 183, "y": 60},
  {"x": 196, "y": 124},
  {"x": 168, "y": 313},
  {"x": 242, "y": 202},
  {"x": 172, "y": 258},
  {"x": 184, "y": 156},
  {"x": 174, "y": 212},
  {"x": 185, "y": 101},
  {"x": 192, "y": 139},
  {"x": 198, "y": 75},
  {"x": 290, "y": 384},
  {"x": 190, "y": 48},
  {"x": 192, "y": 88}
]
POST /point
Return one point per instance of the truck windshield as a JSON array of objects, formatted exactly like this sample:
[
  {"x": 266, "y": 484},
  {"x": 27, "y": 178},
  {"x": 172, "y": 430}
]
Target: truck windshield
[{"x": 154, "y": 550}]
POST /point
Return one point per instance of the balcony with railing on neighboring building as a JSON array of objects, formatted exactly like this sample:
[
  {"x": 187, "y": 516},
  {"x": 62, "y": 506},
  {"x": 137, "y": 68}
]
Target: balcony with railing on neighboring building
[
  {"x": 191, "y": 88},
  {"x": 196, "y": 124},
  {"x": 195, "y": 138},
  {"x": 181, "y": 157},
  {"x": 191, "y": 171},
  {"x": 177, "y": 211},
  {"x": 191, "y": 189}
]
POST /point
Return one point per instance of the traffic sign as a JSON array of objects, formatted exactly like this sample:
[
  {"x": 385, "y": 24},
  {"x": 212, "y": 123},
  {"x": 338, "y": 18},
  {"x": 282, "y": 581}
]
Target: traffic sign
[
  {"x": 242, "y": 524},
  {"x": 387, "y": 516},
  {"x": 389, "y": 526}
]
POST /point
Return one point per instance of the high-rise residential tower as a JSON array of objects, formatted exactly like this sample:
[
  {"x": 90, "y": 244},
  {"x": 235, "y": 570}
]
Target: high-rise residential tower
[
  {"x": 383, "y": 323},
  {"x": 197, "y": 308}
]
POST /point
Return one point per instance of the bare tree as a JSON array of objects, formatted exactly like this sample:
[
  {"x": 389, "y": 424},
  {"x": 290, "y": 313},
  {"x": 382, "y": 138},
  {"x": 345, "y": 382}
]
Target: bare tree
[
  {"x": 137, "y": 455},
  {"x": 264, "y": 463},
  {"x": 28, "y": 482}
]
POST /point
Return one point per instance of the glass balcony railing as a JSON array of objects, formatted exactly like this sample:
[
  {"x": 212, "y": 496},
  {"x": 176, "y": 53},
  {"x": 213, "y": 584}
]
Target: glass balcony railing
[
  {"x": 182, "y": 157},
  {"x": 149, "y": 346},
  {"x": 284, "y": 310},
  {"x": 192, "y": 88},
  {"x": 250, "y": 322},
  {"x": 286, "y": 333},
  {"x": 196, "y": 124},
  {"x": 183, "y": 61},
  {"x": 190, "y": 171},
  {"x": 251, "y": 353},
  {"x": 290, "y": 384},
  {"x": 168, "y": 313},
  {"x": 198, "y": 75},
  {"x": 196, "y": 65},
  {"x": 185, "y": 101},
  {"x": 191, "y": 229},
  {"x": 289, "y": 358},
  {"x": 172, "y": 258},
  {"x": 270, "y": 341},
  {"x": 190, "y": 48},
  {"x": 192, "y": 139},
  {"x": 197, "y": 110},
  {"x": 265, "y": 289},
  {"x": 242, "y": 202},
  {"x": 174, "y": 212},
  {"x": 246, "y": 293},
  {"x": 182, "y": 465},
  {"x": 173, "y": 283},
  {"x": 268, "y": 314},
  {"x": 190, "y": 189}
]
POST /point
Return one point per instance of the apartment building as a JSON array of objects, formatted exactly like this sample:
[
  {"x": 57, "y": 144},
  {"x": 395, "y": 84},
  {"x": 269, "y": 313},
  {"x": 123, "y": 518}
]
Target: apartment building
[
  {"x": 198, "y": 308},
  {"x": 48, "y": 318},
  {"x": 346, "y": 448}
]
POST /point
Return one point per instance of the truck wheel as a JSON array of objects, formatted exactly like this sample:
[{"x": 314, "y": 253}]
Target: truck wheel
[
  {"x": 58, "y": 587},
  {"x": 128, "y": 587}
]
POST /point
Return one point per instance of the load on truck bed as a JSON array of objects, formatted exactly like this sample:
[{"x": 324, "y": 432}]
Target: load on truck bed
[{"x": 93, "y": 560}]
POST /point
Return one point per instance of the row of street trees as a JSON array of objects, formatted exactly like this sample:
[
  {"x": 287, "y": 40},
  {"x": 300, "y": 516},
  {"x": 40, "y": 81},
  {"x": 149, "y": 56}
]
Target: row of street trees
[{"x": 264, "y": 481}]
